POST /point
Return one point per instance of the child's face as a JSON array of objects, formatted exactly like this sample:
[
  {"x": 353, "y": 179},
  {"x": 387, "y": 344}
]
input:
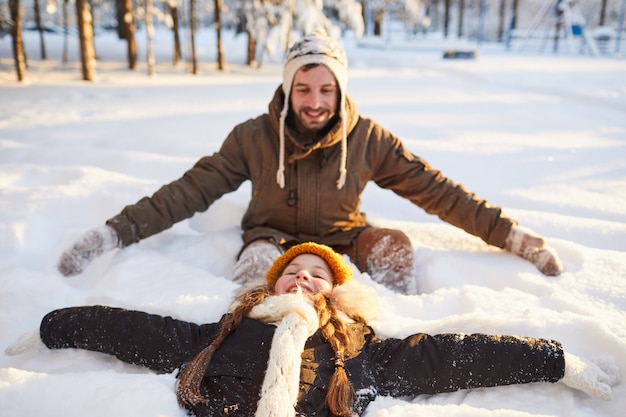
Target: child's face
[{"x": 308, "y": 272}]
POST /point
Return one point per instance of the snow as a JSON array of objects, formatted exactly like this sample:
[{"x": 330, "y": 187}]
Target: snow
[{"x": 541, "y": 135}]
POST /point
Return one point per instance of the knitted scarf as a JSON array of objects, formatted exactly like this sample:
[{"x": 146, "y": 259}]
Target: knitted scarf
[{"x": 295, "y": 320}]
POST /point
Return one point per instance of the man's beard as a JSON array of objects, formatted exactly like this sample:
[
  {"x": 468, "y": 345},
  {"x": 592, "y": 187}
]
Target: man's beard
[{"x": 307, "y": 136}]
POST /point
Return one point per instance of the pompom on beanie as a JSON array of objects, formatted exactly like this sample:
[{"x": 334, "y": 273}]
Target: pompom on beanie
[
  {"x": 342, "y": 272},
  {"x": 316, "y": 48}
]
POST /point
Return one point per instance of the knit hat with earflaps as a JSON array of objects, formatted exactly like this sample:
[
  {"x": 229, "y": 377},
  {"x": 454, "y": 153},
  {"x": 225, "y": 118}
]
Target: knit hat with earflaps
[
  {"x": 342, "y": 272},
  {"x": 316, "y": 48}
]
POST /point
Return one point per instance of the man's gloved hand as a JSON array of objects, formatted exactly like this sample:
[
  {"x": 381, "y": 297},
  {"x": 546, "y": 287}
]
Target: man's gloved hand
[
  {"x": 532, "y": 247},
  {"x": 91, "y": 245},
  {"x": 594, "y": 380}
]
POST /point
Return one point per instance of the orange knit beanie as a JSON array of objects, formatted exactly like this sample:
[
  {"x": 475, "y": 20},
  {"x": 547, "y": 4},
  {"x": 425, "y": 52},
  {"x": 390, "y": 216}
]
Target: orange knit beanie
[{"x": 342, "y": 272}]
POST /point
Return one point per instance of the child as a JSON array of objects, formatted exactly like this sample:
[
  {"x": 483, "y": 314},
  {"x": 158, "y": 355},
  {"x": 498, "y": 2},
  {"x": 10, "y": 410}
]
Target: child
[{"x": 300, "y": 345}]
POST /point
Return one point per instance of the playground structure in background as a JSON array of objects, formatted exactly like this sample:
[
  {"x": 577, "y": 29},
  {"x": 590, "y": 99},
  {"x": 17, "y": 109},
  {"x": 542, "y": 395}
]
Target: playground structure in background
[{"x": 561, "y": 22}]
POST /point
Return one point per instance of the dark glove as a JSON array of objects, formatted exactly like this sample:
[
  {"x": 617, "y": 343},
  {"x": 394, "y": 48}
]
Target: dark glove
[
  {"x": 532, "y": 247},
  {"x": 91, "y": 245}
]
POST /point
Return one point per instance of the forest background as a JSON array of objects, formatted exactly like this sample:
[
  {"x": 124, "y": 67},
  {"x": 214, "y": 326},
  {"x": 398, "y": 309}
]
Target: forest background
[{"x": 271, "y": 25}]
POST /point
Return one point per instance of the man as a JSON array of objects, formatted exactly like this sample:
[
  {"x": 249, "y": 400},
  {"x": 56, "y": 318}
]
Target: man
[{"x": 309, "y": 159}]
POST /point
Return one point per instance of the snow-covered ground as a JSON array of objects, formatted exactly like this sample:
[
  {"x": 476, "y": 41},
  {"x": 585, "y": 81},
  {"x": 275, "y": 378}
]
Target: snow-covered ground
[{"x": 543, "y": 136}]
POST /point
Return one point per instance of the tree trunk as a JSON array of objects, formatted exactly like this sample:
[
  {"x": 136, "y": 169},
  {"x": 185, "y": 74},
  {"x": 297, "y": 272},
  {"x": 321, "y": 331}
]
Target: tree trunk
[
  {"x": 218, "y": 30},
  {"x": 480, "y": 36},
  {"x": 515, "y": 8},
  {"x": 291, "y": 13},
  {"x": 119, "y": 17},
  {"x": 378, "y": 22},
  {"x": 175, "y": 28},
  {"x": 18, "y": 44},
  {"x": 446, "y": 19},
  {"x": 40, "y": 29},
  {"x": 251, "y": 49},
  {"x": 126, "y": 29},
  {"x": 150, "y": 33},
  {"x": 432, "y": 11},
  {"x": 501, "y": 14},
  {"x": 602, "y": 13},
  {"x": 557, "y": 31},
  {"x": 129, "y": 20},
  {"x": 66, "y": 31},
  {"x": 93, "y": 27},
  {"x": 192, "y": 29},
  {"x": 85, "y": 34},
  {"x": 459, "y": 33},
  {"x": 363, "y": 15}
]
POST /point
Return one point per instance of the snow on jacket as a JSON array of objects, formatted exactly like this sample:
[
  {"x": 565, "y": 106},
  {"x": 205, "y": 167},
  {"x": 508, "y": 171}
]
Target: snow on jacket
[
  {"x": 418, "y": 364},
  {"x": 310, "y": 207}
]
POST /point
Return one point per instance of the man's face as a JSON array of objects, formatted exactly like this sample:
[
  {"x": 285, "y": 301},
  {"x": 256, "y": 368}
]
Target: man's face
[{"x": 314, "y": 94}]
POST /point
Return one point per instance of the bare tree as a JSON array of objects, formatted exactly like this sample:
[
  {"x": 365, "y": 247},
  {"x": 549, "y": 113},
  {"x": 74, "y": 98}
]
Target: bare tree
[
  {"x": 218, "y": 30},
  {"x": 192, "y": 29},
  {"x": 173, "y": 5},
  {"x": 459, "y": 32},
  {"x": 289, "y": 26},
  {"x": 66, "y": 31},
  {"x": 42, "y": 44},
  {"x": 446, "y": 19},
  {"x": 363, "y": 15},
  {"x": 515, "y": 10},
  {"x": 18, "y": 44},
  {"x": 482, "y": 11},
  {"x": 92, "y": 6},
  {"x": 501, "y": 15},
  {"x": 150, "y": 33},
  {"x": 251, "y": 49},
  {"x": 379, "y": 15},
  {"x": 85, "y": 35},
  {"x": 126, "y": 29},
  {"x": 602, "y": 13}
]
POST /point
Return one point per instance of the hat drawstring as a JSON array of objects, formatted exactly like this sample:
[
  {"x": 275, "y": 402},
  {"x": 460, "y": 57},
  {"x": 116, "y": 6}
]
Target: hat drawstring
[
  {"x": 344, "y": 148},
  {"x": 280, "y": 174}
]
